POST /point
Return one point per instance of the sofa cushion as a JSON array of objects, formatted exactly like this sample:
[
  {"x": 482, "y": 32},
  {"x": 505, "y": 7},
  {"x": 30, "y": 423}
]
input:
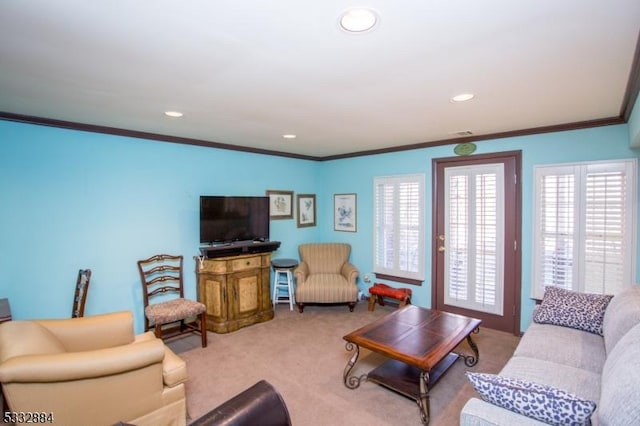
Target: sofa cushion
[
  {"x": 582, "y": 383},
  {"x": 620, "y": 380},
  {"x": 477, "y": 412},
  {"x": 582, "y": 311},
  {"x": 621, "y": 315},
  {"x": 535, "y": 400},
  {"x": 548, "y": 342}
]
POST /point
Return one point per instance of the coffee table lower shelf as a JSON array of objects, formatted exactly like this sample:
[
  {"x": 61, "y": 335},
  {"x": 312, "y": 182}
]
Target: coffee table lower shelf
[{"x": 405, "y": 379}]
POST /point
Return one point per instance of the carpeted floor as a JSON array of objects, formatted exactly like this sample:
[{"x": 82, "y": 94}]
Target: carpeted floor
[{"x": 303, "y": 356}]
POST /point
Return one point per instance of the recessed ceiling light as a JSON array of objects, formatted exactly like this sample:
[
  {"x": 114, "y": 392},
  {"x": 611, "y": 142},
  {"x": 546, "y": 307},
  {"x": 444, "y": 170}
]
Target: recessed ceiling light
[
  {"x": 289, "y": 136},
  {"x": 358, "y": 20},
  {"x": 174, "y": 114},
  {"x": 463, "y": 97}
]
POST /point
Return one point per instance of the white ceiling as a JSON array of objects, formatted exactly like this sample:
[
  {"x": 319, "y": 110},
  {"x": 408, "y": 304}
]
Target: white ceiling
[{"x": 245, "y": 72}]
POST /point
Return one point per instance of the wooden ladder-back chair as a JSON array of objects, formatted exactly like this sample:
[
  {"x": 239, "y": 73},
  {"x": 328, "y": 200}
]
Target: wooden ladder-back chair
[
  {"x": 161, "y": 278},
  {"x": 80, "y": 297}
]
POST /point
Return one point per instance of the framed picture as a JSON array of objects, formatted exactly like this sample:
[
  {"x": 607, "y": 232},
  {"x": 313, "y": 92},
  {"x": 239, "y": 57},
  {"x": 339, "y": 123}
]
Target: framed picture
[
  {"x": 306, "y": 210},
  {"x": 344, "y": 212},
  {"x": 280, "y": 204}
]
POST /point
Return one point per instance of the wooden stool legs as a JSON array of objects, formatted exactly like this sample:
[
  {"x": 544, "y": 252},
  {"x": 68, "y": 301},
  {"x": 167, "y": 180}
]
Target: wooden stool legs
[{"x": 372, "y": 302}]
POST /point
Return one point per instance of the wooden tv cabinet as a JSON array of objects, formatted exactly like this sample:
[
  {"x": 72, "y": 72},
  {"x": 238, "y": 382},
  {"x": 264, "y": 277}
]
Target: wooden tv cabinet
[{"x": 236, "y": 290}]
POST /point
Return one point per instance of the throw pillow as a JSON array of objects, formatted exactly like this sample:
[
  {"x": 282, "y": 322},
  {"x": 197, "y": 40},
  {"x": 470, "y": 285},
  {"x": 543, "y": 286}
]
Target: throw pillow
[
  {"x": 541, "y": 402},
  {"x": 582, "y": 311}
]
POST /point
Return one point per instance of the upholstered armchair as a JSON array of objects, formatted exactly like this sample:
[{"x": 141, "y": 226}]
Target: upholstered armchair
[
  {"x": 325, "y": 275},
  {"x": 91, "y": 371}
]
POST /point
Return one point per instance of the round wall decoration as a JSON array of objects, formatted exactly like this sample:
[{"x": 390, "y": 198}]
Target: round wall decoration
[{"x": 465, "y": 148}]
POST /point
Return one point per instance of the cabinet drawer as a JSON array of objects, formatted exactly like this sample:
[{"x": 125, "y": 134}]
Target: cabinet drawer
[
  {"x": 214, "y": 266},
  {"x": 246, "y": 263}
]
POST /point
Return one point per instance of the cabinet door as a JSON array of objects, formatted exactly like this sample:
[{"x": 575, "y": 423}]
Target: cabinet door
[
  {"x": 265, "y": 287},
  {"x": 245, "y": 294},
  {"x": 213, "y": 293}
]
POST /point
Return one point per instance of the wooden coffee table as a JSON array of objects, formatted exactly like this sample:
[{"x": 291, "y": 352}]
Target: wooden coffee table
[{"x": 419, "y": 343}]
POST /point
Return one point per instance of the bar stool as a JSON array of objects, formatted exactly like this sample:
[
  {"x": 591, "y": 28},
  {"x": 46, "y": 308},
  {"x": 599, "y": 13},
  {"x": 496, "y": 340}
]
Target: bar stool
[{"x": 283, "y": 291}]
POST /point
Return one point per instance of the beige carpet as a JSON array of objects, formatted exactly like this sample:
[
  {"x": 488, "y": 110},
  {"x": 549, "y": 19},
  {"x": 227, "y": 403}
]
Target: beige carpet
[{"x": 303, "y": 356}]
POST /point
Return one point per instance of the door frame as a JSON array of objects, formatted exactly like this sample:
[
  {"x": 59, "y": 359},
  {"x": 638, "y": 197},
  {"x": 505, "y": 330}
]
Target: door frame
[{"x": 516, "y": 222}]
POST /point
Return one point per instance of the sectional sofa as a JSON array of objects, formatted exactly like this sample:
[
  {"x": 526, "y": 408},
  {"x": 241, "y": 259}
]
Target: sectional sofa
[{"x": 577, "y": 363}]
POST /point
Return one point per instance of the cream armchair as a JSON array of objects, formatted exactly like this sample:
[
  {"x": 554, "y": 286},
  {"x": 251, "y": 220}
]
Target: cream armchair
[
  {"x": 91, "y": 371},
  {"x": 325, "y": 275}
]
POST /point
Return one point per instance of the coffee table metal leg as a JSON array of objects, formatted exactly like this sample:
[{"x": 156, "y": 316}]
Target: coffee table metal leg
[
  {"x": 352, "y": 382},
  {"x": 471, "y": 360},
  {"x": 423, "y": 399}
]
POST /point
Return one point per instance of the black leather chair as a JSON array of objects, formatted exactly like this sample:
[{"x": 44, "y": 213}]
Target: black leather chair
[{"x": 260, "y": 405}]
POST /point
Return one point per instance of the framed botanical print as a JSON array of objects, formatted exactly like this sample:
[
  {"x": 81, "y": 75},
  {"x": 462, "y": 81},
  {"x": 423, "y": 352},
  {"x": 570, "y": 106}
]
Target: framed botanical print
[
  {"x": 280, "y": 204},
  {"x": 344, "y": 212},
  {"x": 306, "y": 210}
]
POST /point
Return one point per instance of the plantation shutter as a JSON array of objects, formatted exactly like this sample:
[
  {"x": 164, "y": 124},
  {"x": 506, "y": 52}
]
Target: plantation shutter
[
  {"x": 584, "y": 227},
  {"x": 557, "y": 231},
  {"x": 474, "y": 237},
  {"x": 606, "y": 220},
  {"x": 399, "y": 226}
]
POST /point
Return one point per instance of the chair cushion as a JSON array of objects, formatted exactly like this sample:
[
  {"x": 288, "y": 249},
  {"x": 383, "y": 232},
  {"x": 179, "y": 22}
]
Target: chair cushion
[
  {"x": 27, "y": 338},
  {"x": 326, "y": 288},
  {"x": 173, "y": 310},
  {"x": 284, "y": 263},
  {"x": 92, "y": 332},
  {"x": 541, "y": 402},
  {"x": 384, "y": 290},
  {"x": 582, "y": 311},
  {"x": 174, "y": 368}
]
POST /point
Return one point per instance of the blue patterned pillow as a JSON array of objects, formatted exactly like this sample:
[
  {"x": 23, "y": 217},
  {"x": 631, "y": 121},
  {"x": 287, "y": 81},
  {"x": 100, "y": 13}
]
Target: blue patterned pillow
[
  {"x": 545, "y": 403},
  {"x": 582, "y": 311}
]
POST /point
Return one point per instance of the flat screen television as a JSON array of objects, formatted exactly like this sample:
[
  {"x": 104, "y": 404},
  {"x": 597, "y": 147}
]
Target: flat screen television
[{"x": 227, "y": 219}]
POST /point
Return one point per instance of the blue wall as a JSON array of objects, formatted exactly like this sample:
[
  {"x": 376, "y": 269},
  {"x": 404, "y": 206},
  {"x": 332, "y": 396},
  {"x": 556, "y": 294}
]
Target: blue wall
[
  {"x": 74, "y": 200},
  {"x": 356, "y": 175}
]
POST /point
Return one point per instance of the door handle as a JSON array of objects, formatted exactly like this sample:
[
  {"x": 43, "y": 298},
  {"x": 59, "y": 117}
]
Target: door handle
[{"x": 441, "y": 248}]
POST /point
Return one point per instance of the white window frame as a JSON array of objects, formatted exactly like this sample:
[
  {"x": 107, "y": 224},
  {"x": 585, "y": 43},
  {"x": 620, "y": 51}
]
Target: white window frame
[
  {"x": 579, "y": 171},
  {"x": 396, "y": 270}
]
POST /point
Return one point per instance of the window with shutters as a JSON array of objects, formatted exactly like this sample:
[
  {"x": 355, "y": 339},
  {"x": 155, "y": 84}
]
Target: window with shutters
[
  {"x": 584, "y": 227},
  {"x": 399, "y": 226}
]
